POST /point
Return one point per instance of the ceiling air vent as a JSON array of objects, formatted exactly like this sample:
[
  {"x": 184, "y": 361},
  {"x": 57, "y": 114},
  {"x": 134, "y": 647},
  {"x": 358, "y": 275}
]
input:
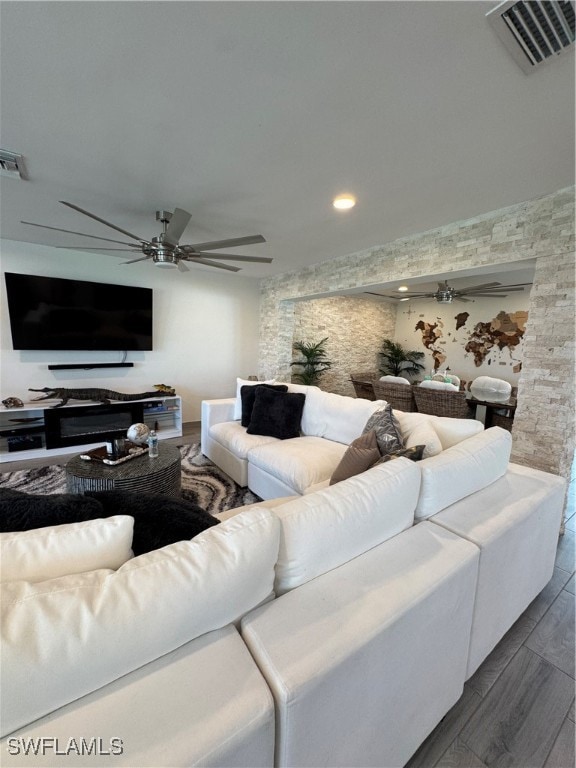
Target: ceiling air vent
[
  {"x": 534, "y": 32},
  {"x": 12, "y": 165}
]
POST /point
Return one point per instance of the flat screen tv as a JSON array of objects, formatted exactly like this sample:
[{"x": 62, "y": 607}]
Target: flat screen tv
[{"x": 51, "y": 313}]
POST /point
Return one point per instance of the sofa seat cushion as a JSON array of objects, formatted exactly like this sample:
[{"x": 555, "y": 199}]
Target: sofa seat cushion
[
  {"x": 462, "y": 470},
  {"x": 204, "y": 704},
  {"x": 515, "y": 521},
  {"x": 321, "y": 531},
  {"x": 336, "y": 417},
  {"x": 299, "y": 462},
  {"x": 75, "y": 634},
  {"x": 233, "y": 436}
]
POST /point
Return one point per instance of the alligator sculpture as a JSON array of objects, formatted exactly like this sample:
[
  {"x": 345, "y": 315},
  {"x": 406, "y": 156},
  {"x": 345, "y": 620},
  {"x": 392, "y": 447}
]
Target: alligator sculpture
[{"x": 103, "y": 396}]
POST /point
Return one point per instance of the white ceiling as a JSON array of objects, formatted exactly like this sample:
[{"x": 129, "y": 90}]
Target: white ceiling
[{"x": 254, "y": 115}]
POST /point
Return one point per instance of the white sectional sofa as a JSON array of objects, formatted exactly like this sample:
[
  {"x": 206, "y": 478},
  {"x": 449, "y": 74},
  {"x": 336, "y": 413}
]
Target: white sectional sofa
[
  {"x": 332, "y": 628},
  {"x": 275, "y": 468}
]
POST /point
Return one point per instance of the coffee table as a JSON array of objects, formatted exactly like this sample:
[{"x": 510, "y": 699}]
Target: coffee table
[{"x": 143, "y": 474}]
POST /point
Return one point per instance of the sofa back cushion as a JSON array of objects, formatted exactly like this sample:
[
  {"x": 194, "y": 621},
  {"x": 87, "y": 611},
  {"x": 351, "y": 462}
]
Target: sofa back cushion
[
  {"x": 66, "y": 637},
  {"x": 59, "y": 550},
  {"x": 336, "y": 417},
  {"x": 462, "y": 470},
  {"x": 323, "y": 530}
]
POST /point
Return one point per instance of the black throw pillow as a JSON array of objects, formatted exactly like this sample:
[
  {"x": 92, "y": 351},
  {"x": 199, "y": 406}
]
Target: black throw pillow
[
  {"x": 159, "y": 520},
  {"x": 248, "y": 394},
  {"x": 276, "y": 414},
  {"x": 25, "y": 511}
]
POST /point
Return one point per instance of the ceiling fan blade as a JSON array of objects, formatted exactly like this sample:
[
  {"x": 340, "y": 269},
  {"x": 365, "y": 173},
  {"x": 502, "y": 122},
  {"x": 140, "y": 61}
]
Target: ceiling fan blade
[
  {"x": 494, "y": 291},
  {"x": 71, "y": 232},
  {"x": 210, "y": 263},
  {"x": 232, "y": 257},
  {"x": 461, "y": 298},
  {"x": 487, "y": 295},
  {"x": 134, "y": 249},
  {"x": 481, "y": 287},
  {"x": 215, "y": 244},
  {"x": 177, "y": 225},
  {"x": 182, "y": 267},
  {"x": 133, "y": 261},
  {"x": 102, "y": 221}
]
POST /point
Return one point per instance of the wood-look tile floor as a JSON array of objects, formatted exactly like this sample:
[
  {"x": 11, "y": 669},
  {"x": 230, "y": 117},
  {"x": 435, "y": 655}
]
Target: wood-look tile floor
[{"x": 517, "y": 710}]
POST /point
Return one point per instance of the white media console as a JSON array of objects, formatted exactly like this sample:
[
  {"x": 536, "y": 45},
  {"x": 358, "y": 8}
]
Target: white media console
[{"x": 28, "y": 432}]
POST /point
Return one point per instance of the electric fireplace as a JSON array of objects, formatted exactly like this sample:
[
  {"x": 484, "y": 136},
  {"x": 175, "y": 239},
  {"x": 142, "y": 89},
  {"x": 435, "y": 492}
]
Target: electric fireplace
[{"x": 80, "y": 425}]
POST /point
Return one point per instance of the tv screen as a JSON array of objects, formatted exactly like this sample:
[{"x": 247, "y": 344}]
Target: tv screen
[{"x": 51, "y": 313}]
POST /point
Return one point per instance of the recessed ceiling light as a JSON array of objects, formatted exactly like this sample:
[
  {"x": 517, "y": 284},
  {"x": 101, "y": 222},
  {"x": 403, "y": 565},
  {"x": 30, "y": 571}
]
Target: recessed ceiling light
[
  {"x": 344, "y": 202},
  {"x": 406, "y": 298},
  {"x": 403, "y": 288}
]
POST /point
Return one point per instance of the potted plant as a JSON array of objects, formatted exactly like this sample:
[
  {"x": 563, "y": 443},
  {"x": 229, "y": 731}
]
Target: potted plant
[
  {"x": 314, "y": 363},
  {"x": 396, "y": 361}
]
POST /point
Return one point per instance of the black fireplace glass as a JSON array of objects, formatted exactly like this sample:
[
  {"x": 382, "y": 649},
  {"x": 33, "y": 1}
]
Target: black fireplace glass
[{"x": 89, "y": 424}]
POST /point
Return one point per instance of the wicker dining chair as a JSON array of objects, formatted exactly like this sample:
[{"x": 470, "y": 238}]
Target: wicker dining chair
[
  {"x": 437, "y": 402},
  {"x": 399, "y": 396},
  {"x": 362, "y": 383}
]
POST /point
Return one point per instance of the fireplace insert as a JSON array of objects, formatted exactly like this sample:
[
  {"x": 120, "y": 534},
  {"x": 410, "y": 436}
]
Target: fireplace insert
[{"x": 80, "y": 425}]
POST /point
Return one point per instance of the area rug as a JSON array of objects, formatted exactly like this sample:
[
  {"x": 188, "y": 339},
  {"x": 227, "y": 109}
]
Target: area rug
[{"x": 202, "y": 482}]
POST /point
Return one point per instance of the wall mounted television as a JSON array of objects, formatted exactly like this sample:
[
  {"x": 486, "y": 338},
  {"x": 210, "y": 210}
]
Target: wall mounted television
[{"x": 51, "y": 313}]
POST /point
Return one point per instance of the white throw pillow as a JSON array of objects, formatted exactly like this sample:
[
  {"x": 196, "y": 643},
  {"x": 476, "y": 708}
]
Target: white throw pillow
[
  {"x": 245, "y": 383},
  {"x": 425, "y": 434},
  {"x": 61, "y": 550},
  {"x": 418, "y": 429},
  {"x": 453, "y": 431},
  {"x": 64, "y": 638}
]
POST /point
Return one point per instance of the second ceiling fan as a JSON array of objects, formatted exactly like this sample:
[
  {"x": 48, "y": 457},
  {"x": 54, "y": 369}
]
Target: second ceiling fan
[
  {"x": 166, "y": 250},
  {"x": 446, "y": 294}
]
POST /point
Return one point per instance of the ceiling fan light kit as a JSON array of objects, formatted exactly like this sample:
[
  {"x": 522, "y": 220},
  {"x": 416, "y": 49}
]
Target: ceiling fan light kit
[{"x": 165, "y": 251}]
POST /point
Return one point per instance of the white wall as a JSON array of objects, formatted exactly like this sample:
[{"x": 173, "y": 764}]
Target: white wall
[
  {"x": 451, "y": 342},
  {"x": 205, "y": 329}
]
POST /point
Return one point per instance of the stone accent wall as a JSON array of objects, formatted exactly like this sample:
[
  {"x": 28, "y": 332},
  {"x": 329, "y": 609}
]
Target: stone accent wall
[
  {"x": 543, "y": 434},
  {"x": 355, "y": 329}
]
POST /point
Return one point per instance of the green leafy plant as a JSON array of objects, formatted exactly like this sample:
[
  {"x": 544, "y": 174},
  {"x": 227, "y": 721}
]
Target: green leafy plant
[
  {"x": 396, "y": 361},
  {"x": 314, "y": 363}
]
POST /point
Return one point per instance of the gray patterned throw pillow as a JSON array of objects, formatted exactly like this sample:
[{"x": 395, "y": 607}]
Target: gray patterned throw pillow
[{"x": 388, "y": 435}]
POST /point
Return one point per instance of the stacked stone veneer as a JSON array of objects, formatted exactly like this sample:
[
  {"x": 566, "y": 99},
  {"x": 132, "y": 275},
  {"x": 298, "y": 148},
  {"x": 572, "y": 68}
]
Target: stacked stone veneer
[
  {"x": 543, "y": 435},
  {"x": 355, "y": 329}
]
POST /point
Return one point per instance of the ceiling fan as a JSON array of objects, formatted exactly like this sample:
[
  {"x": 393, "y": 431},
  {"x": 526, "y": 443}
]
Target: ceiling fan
[
  {"x": 166, "y": 250},
  {"x": 446, "y": 294}
]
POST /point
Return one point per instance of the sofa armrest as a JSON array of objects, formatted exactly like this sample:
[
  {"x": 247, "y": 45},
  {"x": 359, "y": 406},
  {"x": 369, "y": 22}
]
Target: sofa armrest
[{"x": 215, "y": 412}]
